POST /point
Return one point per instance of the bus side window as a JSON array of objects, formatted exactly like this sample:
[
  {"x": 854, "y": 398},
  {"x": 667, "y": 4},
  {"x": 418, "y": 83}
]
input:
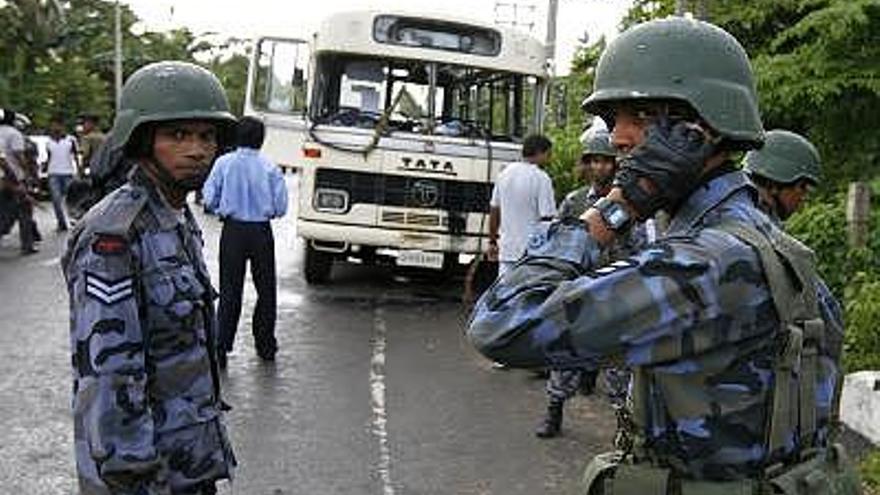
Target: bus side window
[{"x": 281, "y": 81}]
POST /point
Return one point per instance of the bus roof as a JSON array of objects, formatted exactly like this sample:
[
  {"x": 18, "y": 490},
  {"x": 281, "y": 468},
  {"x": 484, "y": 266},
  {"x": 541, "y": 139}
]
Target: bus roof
[{"x": 352, "y": 32}]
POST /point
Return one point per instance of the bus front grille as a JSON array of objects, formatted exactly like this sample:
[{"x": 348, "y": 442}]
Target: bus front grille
[{"x": 408, "y": 192}]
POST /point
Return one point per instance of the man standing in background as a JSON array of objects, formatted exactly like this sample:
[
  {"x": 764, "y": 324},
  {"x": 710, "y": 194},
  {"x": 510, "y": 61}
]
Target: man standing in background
[
  {"x": 522, "y": 197},
  {"x": 92, "y": 139},
  {"x": 247, "y": 190},
  {"x": 15, "y": 176},
  {"x": 63, "y": 164}
]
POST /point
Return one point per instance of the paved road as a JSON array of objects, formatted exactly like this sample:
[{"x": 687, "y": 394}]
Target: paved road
[{"x": 375, "y": 390}]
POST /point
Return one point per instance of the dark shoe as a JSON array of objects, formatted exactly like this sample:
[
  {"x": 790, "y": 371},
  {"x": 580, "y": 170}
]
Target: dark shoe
[
  {"x": 31, "y": 250},
  {"x": 267, "y": 356},
  {"x": 551, "y": 426}
]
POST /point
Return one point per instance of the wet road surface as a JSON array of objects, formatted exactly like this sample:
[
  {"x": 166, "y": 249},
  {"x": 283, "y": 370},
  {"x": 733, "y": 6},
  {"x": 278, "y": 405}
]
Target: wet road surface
[{"x": 374, "y": 390}]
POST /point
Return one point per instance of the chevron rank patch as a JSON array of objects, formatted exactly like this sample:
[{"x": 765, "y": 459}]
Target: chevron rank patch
[{"x": 106, "y": 291}]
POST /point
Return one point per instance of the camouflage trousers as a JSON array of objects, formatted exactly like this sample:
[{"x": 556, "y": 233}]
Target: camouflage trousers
[{"x": 564, "y": 384}]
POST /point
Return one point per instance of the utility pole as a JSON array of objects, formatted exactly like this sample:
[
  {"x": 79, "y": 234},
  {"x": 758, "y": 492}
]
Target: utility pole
[
  {"x": 118, "y": 54},
  {"x": 703, "y": 10},
  {"x": 680, "y": 7},
  {"x": 552, "y": 10}
]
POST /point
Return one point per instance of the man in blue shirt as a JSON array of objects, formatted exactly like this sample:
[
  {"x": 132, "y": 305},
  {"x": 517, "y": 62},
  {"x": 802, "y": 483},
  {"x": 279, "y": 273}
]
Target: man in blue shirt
[{"x": 247, "y": 190}]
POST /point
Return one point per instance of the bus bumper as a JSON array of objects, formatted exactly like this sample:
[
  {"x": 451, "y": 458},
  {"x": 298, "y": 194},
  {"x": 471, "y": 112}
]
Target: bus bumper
[{"x": 340, "y": 238}]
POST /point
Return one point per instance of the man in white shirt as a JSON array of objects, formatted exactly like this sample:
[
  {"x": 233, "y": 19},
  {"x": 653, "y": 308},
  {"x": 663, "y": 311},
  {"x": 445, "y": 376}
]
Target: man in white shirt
[
  {"x": 522, "y": 197},
  {"x": 62, "y": 165}
]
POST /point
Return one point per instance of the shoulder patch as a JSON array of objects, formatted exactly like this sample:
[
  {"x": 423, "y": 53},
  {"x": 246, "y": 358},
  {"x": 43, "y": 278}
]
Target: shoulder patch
[
  {"x": 116, "y": 212},
  {"x": 109, "y": 292},
  {"x": 109, "y": 245}
]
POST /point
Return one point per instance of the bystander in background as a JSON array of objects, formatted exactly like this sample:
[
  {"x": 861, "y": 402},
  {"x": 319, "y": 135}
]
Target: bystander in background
[
  {"x": 247, "y": 190},
  {"x": 62, "y": 166}
]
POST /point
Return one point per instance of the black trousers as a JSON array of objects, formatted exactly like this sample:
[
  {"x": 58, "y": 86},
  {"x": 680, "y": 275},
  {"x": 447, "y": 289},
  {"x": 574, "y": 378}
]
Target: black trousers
[{"x": 242, "y": 242}]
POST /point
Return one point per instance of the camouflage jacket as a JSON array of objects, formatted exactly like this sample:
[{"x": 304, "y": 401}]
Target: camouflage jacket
[
  {"x": 692, "y": 311},
  {"x": 146, "y": 403}
]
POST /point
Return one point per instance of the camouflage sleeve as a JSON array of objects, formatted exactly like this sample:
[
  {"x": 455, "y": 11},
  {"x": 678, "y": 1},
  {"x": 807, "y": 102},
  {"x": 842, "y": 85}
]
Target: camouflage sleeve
[
  {"x": 555, "y": 308},
  {"x": 111, "y": 411},
  {"x": 830, "y": 355}
]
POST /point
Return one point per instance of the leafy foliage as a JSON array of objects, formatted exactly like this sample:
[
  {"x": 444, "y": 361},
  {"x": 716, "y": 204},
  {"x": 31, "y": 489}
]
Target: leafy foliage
[
  {"x": 852, "y": 274},
  {"x": 567, "y": 147},
  {"x": 567, "y": 151},
  {"x": 871, "y": 473},
  {"x": 59, "y": 57}
]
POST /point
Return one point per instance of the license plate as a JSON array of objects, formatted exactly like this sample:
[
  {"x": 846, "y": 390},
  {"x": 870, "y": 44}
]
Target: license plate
[{"x": 421, "y": 259}]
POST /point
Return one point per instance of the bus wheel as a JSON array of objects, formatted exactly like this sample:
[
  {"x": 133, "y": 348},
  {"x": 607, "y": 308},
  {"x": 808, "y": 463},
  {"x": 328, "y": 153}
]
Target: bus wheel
[{"x": 317, "y": 265}]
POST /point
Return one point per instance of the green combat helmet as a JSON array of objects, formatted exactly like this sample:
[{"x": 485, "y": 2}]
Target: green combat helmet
[
  {"x": 166, "y": 91},
  {"x": 597, "y": 143},
  {"x": 686, "y": 60},
  {"x": 785, "y": 158}
]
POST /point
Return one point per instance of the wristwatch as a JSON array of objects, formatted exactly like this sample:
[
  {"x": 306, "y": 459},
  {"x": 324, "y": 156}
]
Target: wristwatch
[{"x": 614, "y": 214}]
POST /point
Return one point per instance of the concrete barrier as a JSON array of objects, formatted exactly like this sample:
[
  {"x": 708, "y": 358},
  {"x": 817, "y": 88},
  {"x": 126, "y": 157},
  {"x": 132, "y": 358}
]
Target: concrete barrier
[{"x": 860, "y": 404}]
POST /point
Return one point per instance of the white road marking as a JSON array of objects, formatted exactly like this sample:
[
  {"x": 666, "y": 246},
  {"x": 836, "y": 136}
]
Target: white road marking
[{"x": 377, "y": 399}]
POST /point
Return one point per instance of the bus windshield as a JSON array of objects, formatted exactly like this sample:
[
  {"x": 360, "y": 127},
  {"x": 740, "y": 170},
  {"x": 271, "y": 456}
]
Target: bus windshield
[{"x": 423, "y": 97}]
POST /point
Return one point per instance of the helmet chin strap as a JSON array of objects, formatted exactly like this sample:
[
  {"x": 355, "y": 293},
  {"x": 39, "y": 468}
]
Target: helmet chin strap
[{"x": 168, "y": 183}]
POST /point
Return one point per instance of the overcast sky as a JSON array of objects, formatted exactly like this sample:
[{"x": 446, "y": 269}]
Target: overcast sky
[{"x": 299, "y": 18}]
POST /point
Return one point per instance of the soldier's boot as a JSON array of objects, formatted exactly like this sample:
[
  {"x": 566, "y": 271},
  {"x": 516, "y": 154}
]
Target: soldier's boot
[{"x": 551, "y": 425}]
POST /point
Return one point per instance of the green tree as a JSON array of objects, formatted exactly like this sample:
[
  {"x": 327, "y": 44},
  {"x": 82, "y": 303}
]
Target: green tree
[
  {"x": 58, "y": 57},
  {"x": 31, "y": 30},
  {"x": 571, "y": 91},
  {"x": 232, "y": 72}
]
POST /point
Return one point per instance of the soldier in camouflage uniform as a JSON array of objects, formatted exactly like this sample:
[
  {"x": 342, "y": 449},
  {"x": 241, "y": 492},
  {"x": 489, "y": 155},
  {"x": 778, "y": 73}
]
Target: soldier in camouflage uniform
[
  {"x": 597, "y": 164},
  {"x": 736, "y": 362},
  {"x": 785, "y": 170},
  {"x": 146, "y": 401}
]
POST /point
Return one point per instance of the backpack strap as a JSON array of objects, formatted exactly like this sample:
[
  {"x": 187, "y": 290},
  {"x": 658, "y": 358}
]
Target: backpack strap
[{"x": 789, "y": 268}]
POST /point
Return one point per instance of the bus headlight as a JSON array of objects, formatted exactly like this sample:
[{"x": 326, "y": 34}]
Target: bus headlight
[{"x": 331, "y": 200}]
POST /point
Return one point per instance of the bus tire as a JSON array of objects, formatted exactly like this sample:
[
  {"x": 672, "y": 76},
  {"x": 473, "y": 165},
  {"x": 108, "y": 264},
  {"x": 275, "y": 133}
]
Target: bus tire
[{"x": 316, "y": 265}]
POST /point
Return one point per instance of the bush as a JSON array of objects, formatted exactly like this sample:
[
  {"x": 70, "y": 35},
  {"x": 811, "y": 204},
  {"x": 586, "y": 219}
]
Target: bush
[
  {"x": 566, "y": 153},
  {"x": 870, "y": 473}
]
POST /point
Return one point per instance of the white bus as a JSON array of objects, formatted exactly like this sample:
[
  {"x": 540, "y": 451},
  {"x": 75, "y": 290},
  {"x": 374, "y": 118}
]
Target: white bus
[{"x": 398, "y": 125}]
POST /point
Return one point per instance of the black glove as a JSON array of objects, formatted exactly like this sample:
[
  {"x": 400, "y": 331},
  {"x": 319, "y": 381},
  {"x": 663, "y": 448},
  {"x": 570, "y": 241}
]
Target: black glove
[{"x": 671, "y": 157}]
